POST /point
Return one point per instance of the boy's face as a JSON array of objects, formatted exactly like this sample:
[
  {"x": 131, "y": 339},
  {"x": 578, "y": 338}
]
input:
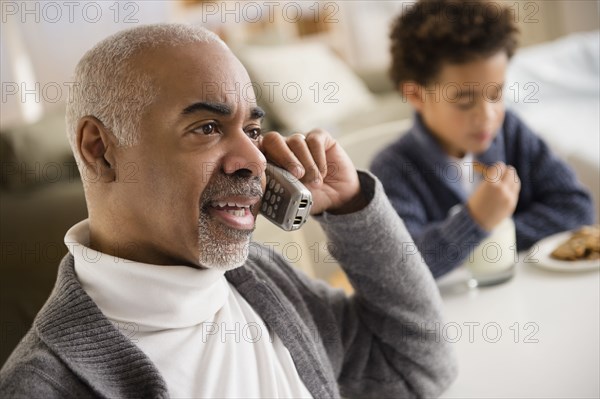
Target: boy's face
[{"x": 464, "y": 108}]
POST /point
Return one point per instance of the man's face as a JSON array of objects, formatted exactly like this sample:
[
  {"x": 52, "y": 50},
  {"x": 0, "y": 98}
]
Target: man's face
[
  {"x": 465, "y": 109},
  {"x": 189, "y": 192}
]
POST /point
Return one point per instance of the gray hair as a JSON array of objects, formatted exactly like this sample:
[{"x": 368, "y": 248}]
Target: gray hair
[{"x": 107, "y": 85}]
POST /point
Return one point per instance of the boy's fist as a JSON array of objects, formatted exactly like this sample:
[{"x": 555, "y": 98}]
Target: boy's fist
[{"x": 496, "y": 197}]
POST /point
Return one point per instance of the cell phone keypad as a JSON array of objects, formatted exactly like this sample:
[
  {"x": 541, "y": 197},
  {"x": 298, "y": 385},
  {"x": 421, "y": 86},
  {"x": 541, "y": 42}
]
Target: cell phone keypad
[{"x": 272, "y": 198}]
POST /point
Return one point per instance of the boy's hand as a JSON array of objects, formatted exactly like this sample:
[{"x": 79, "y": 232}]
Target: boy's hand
[
  {"x": 496, "y": 197},
  {"x": 321, "y": 165}
]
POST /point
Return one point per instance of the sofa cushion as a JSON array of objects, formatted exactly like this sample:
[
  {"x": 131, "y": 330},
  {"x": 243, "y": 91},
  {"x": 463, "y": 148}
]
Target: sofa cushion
[
  {"x": 37, "y": 153},
  {"x": 304, "y": 85}
]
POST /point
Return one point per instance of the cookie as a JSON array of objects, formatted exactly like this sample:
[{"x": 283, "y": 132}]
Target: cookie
[{"x": 584, "y": 244}]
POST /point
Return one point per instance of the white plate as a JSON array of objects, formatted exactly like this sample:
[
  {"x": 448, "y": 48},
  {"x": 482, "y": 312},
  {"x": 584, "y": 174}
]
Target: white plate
[{"x": 539, "y": 255}]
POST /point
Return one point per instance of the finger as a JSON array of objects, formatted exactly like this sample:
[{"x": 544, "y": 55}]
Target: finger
[
  {"x": 511, "y": 177},
  {"x": 316, "y": 143},
  {"x": 495, "y": 172},
  {"x": 515, "y": 174},
  {"x": 299, "y": 146},
  {"x": 277, "y": 151}
]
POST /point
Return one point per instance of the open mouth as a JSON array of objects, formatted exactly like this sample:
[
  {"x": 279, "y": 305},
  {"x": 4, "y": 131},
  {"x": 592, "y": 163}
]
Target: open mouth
[
  {"x": 235, "y": 214},
  {"x": 232, "y": 208}
]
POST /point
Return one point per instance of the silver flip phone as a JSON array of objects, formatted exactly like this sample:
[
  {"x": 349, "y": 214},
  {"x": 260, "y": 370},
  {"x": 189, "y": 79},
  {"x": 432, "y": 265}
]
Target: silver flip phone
[{"x": 286, "y": 202}]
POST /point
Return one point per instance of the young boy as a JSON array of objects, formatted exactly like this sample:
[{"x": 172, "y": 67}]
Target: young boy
[{"x": 449, "y": 60}]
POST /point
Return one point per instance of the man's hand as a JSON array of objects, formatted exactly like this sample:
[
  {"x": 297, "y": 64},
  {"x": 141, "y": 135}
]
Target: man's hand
[
  {"x": 496, "y": 197},
  {"x": 321, "y": 165}
]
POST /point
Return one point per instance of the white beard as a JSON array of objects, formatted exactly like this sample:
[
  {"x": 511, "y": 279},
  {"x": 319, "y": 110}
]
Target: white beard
[{"x": 221, "y": 247}]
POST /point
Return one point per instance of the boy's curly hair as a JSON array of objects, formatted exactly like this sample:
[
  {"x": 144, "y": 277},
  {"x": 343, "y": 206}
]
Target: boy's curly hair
[{"x": 433, "y": 32}]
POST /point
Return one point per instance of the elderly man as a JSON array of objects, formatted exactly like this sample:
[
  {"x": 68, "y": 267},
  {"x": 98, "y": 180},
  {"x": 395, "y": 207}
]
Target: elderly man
[{"x": 158, "y": 296}]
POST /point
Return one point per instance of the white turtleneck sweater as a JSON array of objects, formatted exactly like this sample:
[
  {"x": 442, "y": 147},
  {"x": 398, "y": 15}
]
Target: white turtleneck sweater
[{"x": 201, "y": 334}]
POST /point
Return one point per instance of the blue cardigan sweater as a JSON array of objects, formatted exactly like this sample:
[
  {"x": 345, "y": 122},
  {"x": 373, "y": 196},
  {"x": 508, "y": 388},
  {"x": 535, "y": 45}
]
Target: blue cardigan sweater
[{"x": 421, "y": 183}]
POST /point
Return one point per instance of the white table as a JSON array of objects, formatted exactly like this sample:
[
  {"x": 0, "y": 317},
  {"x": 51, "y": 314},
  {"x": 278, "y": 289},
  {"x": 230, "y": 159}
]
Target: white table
[{"x": 550, "y": 334}]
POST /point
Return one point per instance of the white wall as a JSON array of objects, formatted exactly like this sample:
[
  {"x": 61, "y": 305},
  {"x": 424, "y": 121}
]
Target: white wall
[
  {"x": 580, "y": 15},
  {"x": 55, "y": 35}
]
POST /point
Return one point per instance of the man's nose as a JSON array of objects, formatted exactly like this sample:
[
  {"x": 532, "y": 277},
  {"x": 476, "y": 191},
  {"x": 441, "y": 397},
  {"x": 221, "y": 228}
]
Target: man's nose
[{"x": 243, "y": 156}]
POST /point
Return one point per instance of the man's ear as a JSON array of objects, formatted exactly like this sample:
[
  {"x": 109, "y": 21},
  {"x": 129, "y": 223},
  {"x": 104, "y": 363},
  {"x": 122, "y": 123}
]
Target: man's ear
[
  {"x": 96, "y": 146},
  {"x": 413, "y": 92}
]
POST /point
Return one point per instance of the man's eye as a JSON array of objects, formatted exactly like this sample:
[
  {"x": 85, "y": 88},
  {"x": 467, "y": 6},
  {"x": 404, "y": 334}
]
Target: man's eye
[
  {"x": 208, "y": 128},
  {"x": 253, "y": 133}
]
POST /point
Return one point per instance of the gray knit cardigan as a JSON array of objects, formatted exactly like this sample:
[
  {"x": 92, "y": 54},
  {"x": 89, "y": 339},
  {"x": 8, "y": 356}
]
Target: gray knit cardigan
[{"x": 380, "y": 342}]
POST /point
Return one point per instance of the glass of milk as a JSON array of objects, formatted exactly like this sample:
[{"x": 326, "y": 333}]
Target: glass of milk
[{"x": 493, "y": 260}]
